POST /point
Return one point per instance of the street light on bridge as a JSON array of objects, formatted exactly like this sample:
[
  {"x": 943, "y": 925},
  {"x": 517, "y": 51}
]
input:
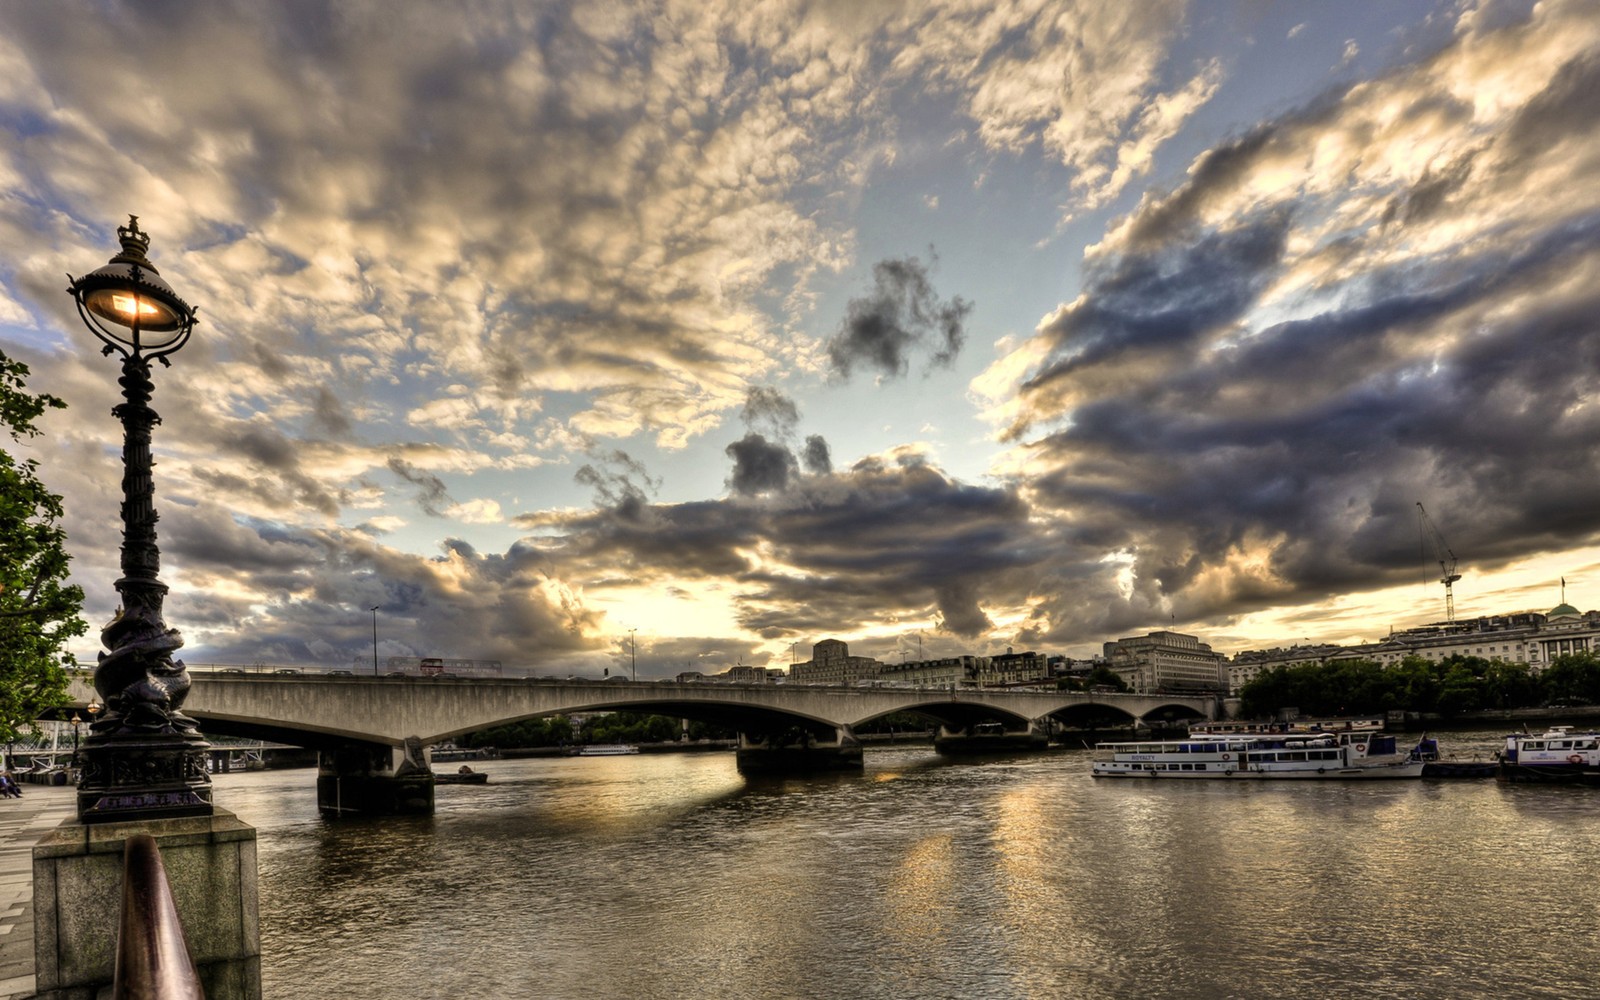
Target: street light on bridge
[{"x": 143, "y": 757}]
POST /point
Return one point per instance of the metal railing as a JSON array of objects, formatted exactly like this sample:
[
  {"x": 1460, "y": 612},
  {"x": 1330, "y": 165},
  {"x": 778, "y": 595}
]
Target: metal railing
[{"x": 153, "y": 960}]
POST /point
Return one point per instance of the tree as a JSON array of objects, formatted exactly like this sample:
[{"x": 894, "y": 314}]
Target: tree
[{"x": 39, "y": 611}]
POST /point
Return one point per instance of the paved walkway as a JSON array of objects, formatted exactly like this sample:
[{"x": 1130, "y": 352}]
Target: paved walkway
[{"x": 22, "y": 822}]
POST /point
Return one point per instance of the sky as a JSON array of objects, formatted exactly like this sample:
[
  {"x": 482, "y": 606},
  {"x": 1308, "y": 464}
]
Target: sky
[{"x": 574, "y": 335}]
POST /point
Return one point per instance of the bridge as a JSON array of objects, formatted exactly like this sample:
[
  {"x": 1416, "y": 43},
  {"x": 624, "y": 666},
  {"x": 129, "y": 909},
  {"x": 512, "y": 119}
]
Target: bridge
[{"x": 371, "y": 733}]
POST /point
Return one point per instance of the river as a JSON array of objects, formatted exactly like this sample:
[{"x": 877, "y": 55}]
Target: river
[{"x": 658, "y": 877}]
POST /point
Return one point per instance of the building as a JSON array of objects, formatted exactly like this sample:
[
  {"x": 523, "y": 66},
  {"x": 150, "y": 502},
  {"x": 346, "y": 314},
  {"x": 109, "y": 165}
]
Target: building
[
  {"x": 1528, "y": 638},
  {"x": 743, "y": 674},
  {"x": 1167, "y": 662},
  {"x": 831, "y": 663},
  {"x": 946, "y": 672},
  {"x": 1244, "y": 667},
  {"x": 1011, "y": 668}
]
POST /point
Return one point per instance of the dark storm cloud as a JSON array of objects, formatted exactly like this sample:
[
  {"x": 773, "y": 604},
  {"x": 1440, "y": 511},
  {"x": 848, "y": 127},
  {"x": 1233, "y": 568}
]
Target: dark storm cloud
[
  {"x": 818, "y": 460},
  {"x": 879, "y": 539},
  {"x": 314, "y": 608},
  {"x": 760, "y": 466},
  {"x": 901, "y": 316},
  {"x": 1314, "y": 439},
  {"x": 1143, "y": 305},
  {"x": 433, "y": 498}
]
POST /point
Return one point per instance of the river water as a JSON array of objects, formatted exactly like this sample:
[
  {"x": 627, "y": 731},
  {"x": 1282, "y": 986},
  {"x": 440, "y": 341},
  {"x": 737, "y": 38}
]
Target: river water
[{"x": 658, "y": 877}]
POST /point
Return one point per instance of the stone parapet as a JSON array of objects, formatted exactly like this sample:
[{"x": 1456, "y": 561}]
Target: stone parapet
[{"x": 210, "y": 863}]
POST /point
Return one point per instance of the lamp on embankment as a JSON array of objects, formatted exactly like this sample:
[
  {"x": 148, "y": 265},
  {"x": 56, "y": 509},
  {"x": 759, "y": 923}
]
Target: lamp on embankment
[{"x": 144, "y": 757}]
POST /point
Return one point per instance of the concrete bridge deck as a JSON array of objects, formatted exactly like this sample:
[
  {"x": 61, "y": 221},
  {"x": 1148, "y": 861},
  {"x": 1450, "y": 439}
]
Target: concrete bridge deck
[{"x": 320, "y": 711}]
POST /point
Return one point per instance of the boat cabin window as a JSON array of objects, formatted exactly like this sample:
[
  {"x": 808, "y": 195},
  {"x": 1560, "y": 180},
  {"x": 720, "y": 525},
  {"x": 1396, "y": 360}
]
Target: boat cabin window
[{"x": 1533, "y": 744}]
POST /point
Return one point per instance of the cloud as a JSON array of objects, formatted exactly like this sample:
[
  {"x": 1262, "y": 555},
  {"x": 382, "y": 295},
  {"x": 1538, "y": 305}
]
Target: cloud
[
  {"x": 1337, "y": 314},
  {"x": 768, "y": 409},
  {"x": 891, "y": 537},
  {"x": 1087, "y": 82},
  {"x": 620, "y": 482},
  {"x": 760, "y": 466},
  {"x": 817, "y": 459},
  {"x": 900, "y": 316},
  {"x": 433, "y": 497}
]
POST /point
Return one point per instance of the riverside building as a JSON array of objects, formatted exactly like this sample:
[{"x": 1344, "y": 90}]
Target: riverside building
[
  {"x": 1166, "y": 661},
  {"x": 831, "y": 663},
  {"x": 1528, "y": 638}
]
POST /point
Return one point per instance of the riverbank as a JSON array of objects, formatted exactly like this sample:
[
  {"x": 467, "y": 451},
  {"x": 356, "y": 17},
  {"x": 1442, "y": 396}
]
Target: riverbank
[{"x": 1579, "y": 715}]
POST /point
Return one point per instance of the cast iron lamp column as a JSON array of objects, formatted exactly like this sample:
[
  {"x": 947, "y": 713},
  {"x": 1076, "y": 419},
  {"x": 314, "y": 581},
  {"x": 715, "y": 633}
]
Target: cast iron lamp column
[{"x": 144, "y": 758}]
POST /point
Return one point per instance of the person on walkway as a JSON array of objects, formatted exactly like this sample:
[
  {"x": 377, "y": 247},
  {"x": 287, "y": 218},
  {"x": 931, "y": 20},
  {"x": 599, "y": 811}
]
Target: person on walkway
[{"x": 9, "y": 787}]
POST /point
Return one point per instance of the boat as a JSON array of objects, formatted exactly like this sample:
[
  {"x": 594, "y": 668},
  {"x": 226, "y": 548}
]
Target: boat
[
  {"x": 445, "y": 752},
  {"x": 1435, "y": 766},
  {"x": 1557, "y": 755},
  {"x": 1238, "y": 728},
  {"x": 1293, "y": 756},
  {"x": 462, "y": 775},
  {"x": 605, "y": 750}
]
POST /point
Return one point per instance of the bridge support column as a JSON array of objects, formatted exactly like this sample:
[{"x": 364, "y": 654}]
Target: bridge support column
[
  {"x": 798, "y": 751},
  {"x": 369, "y": 779},
  {"x": 990, "y": 737}
]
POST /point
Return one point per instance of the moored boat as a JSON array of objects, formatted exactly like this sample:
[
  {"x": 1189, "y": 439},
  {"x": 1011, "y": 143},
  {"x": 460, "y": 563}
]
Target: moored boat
[
  {"x": 1557, "y": 755},
  {"x": 605, "y": 750},
  {"x": 1435, "y": 766},
  {"x": 1293, "y": 756}
]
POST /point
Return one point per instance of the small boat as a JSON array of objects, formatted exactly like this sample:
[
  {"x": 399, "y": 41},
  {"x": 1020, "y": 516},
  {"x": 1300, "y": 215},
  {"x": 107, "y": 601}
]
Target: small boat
[
  {"x": 462, "y": 775},
  {"x": 1557, "y": 755},
  {"x": 1292, "y": 756},
  {"x": 605, "y": 750},
  {"x": 1435, "y": 766}
]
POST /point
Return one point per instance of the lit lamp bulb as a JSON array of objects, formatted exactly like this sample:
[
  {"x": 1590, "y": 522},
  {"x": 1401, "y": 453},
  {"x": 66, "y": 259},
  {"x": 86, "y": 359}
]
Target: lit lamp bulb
[{"x": 131, "y": 305}]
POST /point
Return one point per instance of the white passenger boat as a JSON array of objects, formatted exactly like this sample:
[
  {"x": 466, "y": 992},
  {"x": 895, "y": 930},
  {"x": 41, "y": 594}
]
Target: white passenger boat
[
  {"x": 1559, "y": 754},
  {"x": 605, "y": 750},
  {"x": 1302, "y": 756}
]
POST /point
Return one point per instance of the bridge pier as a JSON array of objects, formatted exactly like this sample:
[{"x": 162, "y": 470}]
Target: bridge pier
[
  {"x": 989, "y": 737},
  {"x": 798, "y": 750},
  {"x": 370, "y": 779}
]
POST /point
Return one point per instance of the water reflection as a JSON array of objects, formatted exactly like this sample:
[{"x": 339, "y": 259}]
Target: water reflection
[{"x": 672, "y": 877}]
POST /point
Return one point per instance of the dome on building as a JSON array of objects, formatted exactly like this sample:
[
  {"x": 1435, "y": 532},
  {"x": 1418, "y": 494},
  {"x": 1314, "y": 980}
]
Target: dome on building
[{"x": 1564, "y": 610}]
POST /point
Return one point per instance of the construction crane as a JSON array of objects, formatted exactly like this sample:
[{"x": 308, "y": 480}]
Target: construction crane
[{"x": 1447, "y": 561}]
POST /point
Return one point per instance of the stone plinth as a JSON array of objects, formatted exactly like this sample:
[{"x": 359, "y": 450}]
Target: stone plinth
[{"x": 77, "y": 897}]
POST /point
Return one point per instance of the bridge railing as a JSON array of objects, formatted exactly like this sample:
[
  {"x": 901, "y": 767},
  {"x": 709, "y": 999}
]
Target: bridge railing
[{"x": 153, "y": 960}]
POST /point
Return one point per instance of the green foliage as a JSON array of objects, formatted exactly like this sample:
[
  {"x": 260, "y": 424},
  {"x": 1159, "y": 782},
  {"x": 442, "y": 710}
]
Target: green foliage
[
  {"x": 898, "y": 722},
  {"x": 548, "y": 731},
  {"x": 39, "y": 611},
  {"x": 1450, "y": 686},
  {"x": 1099, "y": 677},
  {"x": 629, "y": 727}
]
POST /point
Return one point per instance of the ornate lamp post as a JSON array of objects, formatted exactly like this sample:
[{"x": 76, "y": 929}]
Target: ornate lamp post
[
  {"x": 77, "y": 721},
  {"x": 143, "y": 758}
]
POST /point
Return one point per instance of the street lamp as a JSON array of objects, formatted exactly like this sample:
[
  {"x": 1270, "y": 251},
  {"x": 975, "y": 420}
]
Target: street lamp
[
  {"x": 633, "y": 653},
  {"x": 375, "y": 639},
  {"x": 76, "y": 720},
  {"x": 143, "y": 757}
]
